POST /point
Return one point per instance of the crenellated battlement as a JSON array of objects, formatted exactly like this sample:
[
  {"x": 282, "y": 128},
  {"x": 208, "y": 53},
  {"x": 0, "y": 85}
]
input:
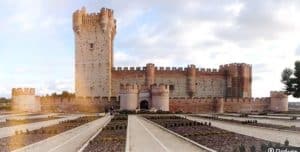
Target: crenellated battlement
[
  {"x": 129, "y": 88},
  {"x": 166, "y": 69},
  {"x": 104, "y": 18},
  {"x": 226, "y": 66},
  {"x": 229, "y": 100},
  {"x": 161, "y": 88},
  {"x": 128, "y": 69},
  {"x": 278, "y": 94},
  {"x": 23, "y": 91}
]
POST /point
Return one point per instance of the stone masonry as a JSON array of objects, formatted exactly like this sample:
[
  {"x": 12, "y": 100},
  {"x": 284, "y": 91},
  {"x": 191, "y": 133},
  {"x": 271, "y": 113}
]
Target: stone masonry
[
  {"x": 96, "y": 77},
  {"x": 193, "y": 89}
]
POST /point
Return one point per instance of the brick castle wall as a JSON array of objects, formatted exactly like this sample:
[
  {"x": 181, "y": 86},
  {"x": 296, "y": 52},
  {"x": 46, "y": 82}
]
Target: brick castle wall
[
  {"x": 233, "y": 80},
  {"x": 95, "y": 75},
  {"x": 65, "y": 104},
  {"x": 200, "y": 105}
]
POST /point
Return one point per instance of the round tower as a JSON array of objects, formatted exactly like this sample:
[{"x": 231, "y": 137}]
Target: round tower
[
  {"x": 150, "y": 74},
  {"x": 191, "y": 76},
  {"x": 128, "y": 97},
  {"x": 279, "y": 101},
  {"x": 24, "y": 99},
  {"x": 160, "y": 97}
]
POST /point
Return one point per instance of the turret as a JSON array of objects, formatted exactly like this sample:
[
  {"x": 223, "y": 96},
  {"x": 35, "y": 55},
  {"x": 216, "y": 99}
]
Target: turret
[
  {"x": 238, "y": 79},
  {"x": 24, "y": 100},
  {"x": 23, "y": 91},
  {"x": 160, "y": 97},
  {"x": 191, "y": 76},
  {"x": 150, "y": 74},
  {"x": 128, "y": 96},
  {"x": 279, "y": 101}
]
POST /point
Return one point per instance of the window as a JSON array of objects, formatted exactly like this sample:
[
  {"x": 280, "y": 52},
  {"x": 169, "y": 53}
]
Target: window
[
  {"x": 171, "y": 87},
  {"x": 91, "y": 46}
]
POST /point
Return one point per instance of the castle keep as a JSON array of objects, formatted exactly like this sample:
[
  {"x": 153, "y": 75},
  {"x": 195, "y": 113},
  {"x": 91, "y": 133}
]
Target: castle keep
[{"x": 151, "y": 86}]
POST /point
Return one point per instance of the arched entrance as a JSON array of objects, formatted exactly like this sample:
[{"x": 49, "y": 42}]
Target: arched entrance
[{"x": 144, "y": 104}]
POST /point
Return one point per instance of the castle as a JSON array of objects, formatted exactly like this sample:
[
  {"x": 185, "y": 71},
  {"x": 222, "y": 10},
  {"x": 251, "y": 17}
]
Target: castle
[
  {"x": 190, "y": 89},
  {"x": 149, "y": 86}
]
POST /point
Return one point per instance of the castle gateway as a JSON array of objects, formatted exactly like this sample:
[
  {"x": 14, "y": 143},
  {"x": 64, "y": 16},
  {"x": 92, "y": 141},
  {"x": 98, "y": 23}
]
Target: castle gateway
[{"x": 151, "y": 86}]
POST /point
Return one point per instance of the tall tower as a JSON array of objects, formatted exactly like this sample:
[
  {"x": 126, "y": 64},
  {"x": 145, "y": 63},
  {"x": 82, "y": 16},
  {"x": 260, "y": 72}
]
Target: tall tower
[
  {"x": 238, "y": 80},
  {"x": 94, "y": 36}
]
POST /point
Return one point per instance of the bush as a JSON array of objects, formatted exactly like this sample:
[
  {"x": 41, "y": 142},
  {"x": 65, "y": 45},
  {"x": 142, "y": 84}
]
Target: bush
[
  {"x": 244, "y": 115},
  {"x": 270, "y": 144},
  {"x": 252, "y": 148},
  {"x": 286, "y": 143},
  {"x": 179, "y": 112},
  {"x": 263, "y": 147},
  {"x": 242, "y": 148}
]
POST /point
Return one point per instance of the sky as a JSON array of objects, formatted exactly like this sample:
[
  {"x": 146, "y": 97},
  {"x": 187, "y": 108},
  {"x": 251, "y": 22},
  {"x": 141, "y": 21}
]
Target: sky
[{"x": 37, "y": 41}]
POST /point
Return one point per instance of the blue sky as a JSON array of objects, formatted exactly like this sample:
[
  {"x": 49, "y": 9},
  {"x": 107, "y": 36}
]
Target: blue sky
[{"x": 37, "y": 41}]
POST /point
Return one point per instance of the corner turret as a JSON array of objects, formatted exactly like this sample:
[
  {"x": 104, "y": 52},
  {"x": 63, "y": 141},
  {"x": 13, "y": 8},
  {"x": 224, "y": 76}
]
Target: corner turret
[
  {"x": 160, "y": 97},
  {"x": 128, "y": 96},
  {"x": 279, "y": 101},
  {"x": 238, "y": 79}
]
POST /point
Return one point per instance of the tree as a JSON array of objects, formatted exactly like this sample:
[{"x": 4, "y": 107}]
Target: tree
[{"x": 291, "y": 79}]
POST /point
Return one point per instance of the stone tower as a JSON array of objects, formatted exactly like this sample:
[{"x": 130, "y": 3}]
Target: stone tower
[
  {"x": 24, "y": 100},
  {"x": 238, "y": 79},
  {"x": 94, "y": 36}
]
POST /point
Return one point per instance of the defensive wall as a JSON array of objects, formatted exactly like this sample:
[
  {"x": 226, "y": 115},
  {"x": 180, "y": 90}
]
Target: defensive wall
[
  {"x": 72, "y": 104},
  {"x": 230, "y": 80},
  {"x": 276, "y": 102}
]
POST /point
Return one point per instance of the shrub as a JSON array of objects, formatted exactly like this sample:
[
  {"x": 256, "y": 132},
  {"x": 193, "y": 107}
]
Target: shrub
[
  {"x": 263, "y": 147},
  {"x": 242, "y": 148},
  {"x": 252, "y": 148},
  {"x": 294, "y": 118},
  {"x": 270, "y": 144},
  {"x": 286, "y": 143}
]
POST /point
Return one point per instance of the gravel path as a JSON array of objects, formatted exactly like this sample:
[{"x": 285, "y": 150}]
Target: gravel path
[{"x": 258, "y": 132}]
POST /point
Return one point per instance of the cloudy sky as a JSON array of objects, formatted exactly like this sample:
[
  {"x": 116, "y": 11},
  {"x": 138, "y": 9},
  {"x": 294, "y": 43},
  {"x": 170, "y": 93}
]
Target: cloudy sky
[{"x": 37, "y": 41}]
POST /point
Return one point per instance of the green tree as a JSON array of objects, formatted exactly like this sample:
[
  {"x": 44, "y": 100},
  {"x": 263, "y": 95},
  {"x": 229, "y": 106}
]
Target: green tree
[{"x": 291, "y": 79}]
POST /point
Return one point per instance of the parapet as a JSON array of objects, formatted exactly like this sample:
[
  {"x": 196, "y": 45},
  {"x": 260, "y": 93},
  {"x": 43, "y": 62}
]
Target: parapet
[
  {"x": 278, "y": 94},
  {"x": 129, "y": 88},
  {"x": 226, "y": 66},
  {"x": 161, "y": 88},
  {"x": 105, "y": 18},
  {"x": 23, "y": 91},
  {"x": 128, "y": 69}
]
